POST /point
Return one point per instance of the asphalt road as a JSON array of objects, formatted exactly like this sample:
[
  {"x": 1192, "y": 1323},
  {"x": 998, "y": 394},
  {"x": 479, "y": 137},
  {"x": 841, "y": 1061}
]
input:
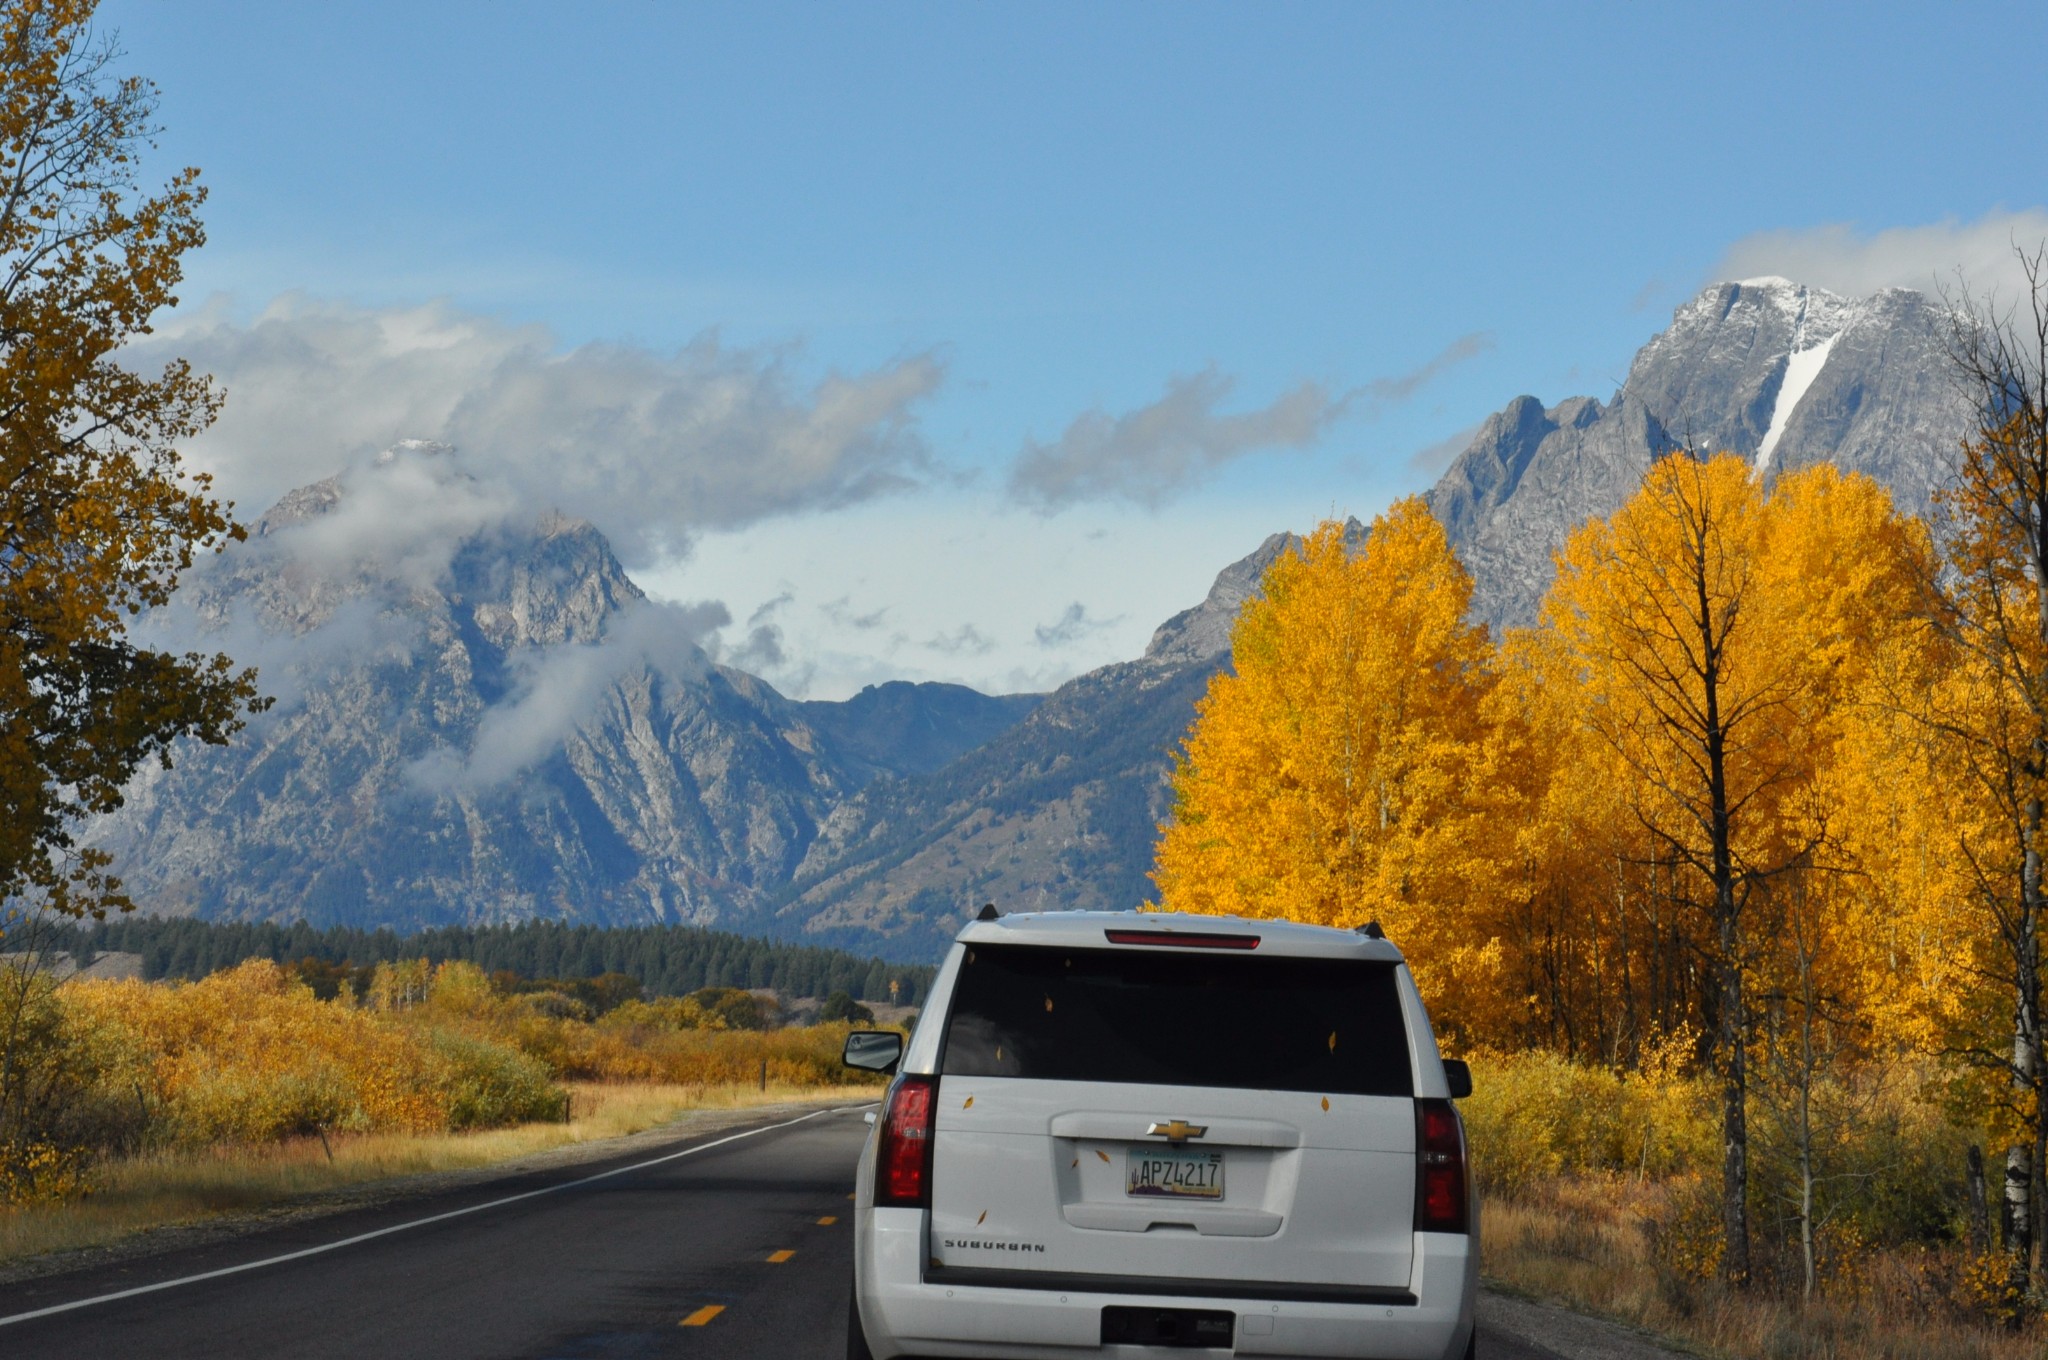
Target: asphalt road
[{"x": 739, "y": 1249}]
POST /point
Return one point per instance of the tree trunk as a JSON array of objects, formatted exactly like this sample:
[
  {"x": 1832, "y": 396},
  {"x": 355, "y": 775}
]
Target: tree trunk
[
  {"x": 1809, "y": 1062},
  {"x": 2018, "y": 1212},
  {"x": 1806, "y": 1206},
  {"x": 1732, "y": 1029},
  {"x": 1734, "y": 1114},
  {"x": 1980, "y": 1204}
]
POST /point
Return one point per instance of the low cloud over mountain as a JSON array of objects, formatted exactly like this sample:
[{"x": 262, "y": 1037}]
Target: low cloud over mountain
[
  {"x": 649, "y": 446},
  {"x": 1845, "y": 260}
]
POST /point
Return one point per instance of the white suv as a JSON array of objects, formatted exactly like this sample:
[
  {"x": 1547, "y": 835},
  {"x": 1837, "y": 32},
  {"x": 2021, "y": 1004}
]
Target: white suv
[{"x": 1139, "y": 1133}]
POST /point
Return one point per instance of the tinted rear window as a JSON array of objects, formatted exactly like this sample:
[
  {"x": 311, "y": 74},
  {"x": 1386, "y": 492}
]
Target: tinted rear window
[{"x": 1328, "y": 1025}]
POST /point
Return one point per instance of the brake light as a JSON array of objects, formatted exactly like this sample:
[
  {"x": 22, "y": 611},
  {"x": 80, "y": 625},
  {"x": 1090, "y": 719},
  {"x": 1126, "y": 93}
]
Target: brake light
[
  {"x": 1440, "y": 1185},
  {"x": 903, "y": 1166},
  {"x": 1183, "y": 939}
]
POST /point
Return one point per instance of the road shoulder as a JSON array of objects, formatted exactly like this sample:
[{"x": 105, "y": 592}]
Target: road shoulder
[{"x": 1576, "y": 1336}]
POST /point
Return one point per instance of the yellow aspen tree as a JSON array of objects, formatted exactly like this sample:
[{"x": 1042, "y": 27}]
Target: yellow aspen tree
[
  {"x": 1851, "y": 570},
  {"x": 1711, "y": 631},
  {"x": 1336, "y": 773},
  {"x": 1600, "y": 963},
  {"x": 1844, "y": 570},
  {"x": 1991, "y": 711}
]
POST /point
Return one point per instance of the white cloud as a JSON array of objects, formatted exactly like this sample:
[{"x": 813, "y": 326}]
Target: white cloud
[
  {"x": 1405, "y": 385},
  {"x": 406, "y": 511},
  {"x": 288, "y": 664},
  {"x": 1153, "y": 453},
  {"x": 1844, "y": 259},
  {"x": 761, "y": 653},
  {"x": 971, "y": 577},
  {"x": 555, "y": 689},
  {"x": 1070, "y": 627},
  {"x": 1435, "y": 458},
  {"x": 767, "y": 609},
  {"x": 966, "y": 638},
  {"x": 842, "y": 612},
  {"x": 649, "y": 447}
]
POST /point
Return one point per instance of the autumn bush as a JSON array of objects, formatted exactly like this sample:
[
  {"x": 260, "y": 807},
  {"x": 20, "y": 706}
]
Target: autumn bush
[
  {"x": 685, "y": 1040},
  {"x": 1601, "y": 1185},
  {"x": 1537, "y": 1114},
  {"x": 252, "y": 1056},
  {"x": 249, "y": 1056}
]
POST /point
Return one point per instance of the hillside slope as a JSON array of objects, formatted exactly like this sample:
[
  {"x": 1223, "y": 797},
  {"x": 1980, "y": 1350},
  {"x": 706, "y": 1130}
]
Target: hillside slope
[{"x": 511, "y": 733}]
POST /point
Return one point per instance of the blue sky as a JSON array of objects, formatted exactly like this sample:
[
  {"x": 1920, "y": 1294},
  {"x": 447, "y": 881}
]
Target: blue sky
[{"x": 1010, "y": 217}]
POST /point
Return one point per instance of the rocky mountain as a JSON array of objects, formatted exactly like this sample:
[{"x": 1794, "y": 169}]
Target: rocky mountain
[
  {"x": 482, "y": 719},
  {"x": 1058, "y": 811},
  {"x": 900, "y": 728},
  {"x": 514, "y": 732},
  {"x": 1780, "y": 374}
]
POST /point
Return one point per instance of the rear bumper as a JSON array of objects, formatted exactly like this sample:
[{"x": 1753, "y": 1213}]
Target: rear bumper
[{"x": 984, "y": 1315}]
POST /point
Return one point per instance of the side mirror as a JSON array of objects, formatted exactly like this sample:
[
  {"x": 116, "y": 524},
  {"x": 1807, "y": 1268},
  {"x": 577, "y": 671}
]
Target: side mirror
[
  {"x": 873, "y": 1050},
  {"x": 1459, "y": 1078}
]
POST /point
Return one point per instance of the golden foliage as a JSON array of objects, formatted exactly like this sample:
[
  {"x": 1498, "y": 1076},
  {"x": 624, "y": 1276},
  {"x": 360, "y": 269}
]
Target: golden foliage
[
  {"x": 1692, "y": 821},
  {"x": 1537, "y": 1115},
  {"x": 251, "y": 1056},
  {"x": 1704, "y": 703},
  {"x": 1330, "y": 777},
  {"x": 97, "y": 517}
]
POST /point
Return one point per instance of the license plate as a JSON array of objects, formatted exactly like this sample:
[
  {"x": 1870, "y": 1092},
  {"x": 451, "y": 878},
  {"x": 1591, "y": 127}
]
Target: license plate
[{"x": 1173, "y": 1173}]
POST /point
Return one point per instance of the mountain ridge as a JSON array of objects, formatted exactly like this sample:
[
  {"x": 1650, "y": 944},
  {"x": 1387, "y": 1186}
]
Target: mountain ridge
[
  {"x": 517, "y": 734},
  {"x": 488, "y": 721}
]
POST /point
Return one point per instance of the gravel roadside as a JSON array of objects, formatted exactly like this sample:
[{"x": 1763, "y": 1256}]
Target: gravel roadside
[{"x": 1569, "y": 1335}]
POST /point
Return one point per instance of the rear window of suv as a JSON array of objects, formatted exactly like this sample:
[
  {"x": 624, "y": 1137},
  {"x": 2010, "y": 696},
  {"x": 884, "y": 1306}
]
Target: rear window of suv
[{"x": 1178, "y": 1019}]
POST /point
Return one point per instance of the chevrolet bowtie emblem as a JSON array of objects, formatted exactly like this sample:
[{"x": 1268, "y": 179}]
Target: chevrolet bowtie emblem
[{"x": 1177, "y": 1130}]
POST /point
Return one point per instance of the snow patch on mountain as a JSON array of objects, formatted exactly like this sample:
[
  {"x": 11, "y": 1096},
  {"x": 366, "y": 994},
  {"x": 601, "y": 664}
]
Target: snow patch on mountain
[{"x": 1801, "y": 368}]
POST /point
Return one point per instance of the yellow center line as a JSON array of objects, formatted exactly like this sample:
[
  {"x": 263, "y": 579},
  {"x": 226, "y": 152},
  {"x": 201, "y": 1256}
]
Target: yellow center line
[
  {"x": 702, "y": 1315},
  {"x": 776, "y": 1258},
  {"x": 828, "y": 1220}
]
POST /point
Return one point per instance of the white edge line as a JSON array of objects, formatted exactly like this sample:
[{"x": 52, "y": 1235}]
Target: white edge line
[{"x": 412, "y": 1223}]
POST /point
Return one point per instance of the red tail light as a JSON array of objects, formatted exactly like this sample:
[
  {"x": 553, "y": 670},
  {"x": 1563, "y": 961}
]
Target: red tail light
[
  {"x": 903, "y": 1168},
  {"x": 1183, "y": 939},
  {"x": 1440, "y": 1185}
]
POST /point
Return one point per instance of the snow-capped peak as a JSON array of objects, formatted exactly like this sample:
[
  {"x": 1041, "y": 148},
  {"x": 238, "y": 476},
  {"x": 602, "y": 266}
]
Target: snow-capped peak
[{"x": 414, "y": 448}]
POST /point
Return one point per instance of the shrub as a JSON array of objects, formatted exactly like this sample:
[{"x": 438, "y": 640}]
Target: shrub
[
  {"x": 842, "y": 1006},
  {"x": 734, "y": 1008},
  {"x": 251, "y": 1056},
  {"x": 36, "y": 1171},
  {"x": 487, "y": 1084},
  {"x": 254, "y": 1055},
  {"x": 1536, "y": 1115}
]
